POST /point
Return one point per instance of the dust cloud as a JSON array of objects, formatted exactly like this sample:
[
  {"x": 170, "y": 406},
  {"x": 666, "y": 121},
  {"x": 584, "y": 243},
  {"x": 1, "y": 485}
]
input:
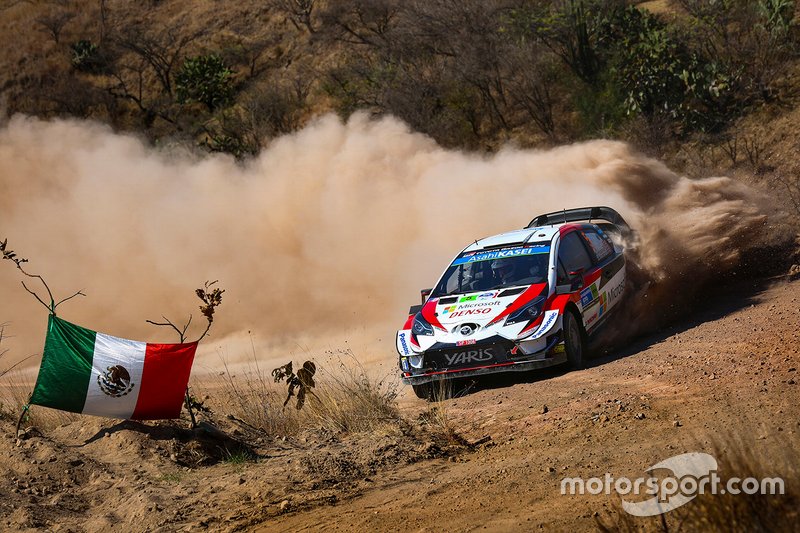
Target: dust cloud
[{"x": 323, "y": 240}]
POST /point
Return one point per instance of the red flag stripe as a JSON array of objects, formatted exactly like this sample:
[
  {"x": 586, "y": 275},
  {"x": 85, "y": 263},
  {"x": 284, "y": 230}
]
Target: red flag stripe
[{"x": 164, "y": 380}]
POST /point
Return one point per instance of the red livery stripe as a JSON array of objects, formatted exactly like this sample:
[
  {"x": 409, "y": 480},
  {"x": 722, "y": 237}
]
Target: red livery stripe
[
  {"x": 429, "y": 314},
  {"x": 529, "y": 294},
  {"x": 592, "y": 276}
]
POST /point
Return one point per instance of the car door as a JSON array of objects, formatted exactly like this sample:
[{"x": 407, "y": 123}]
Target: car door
[
  {"x": 575, "y": 261},
  {"x": 610, "y": 282}
]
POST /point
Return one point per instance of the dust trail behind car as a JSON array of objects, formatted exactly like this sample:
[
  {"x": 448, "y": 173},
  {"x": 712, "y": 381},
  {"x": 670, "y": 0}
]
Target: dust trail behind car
[{"x": 326, "y": 237}]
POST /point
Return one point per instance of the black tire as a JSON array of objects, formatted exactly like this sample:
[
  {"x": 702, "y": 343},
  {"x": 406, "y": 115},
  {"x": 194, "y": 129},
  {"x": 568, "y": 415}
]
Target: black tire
[
  {"x": 424, "y": 391},
  {"x": 574, "y": 340}
]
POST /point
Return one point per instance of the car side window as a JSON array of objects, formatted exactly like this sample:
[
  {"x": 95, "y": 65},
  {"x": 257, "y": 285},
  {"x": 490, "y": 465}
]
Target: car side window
[
  {"x": 600, "y": 244},
  {"x": 572, "y": 253},
  {"x": 561, "y": 276}
]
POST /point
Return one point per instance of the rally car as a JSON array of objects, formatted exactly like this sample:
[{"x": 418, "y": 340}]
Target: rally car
[{"x": 518, "y": 301}]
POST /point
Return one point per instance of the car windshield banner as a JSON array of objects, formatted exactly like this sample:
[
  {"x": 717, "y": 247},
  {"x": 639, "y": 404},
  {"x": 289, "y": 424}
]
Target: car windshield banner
[{"x": 473, "y": 257}]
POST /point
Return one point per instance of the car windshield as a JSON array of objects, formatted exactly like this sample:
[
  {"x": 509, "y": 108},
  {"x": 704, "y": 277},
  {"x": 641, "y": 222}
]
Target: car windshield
[{"x": 495, "y": 269}]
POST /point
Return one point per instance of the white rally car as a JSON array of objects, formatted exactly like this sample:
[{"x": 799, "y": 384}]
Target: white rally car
[{"x": 518, "y": 301}]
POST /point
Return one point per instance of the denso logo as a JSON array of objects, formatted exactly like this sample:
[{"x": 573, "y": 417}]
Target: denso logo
[
  {"x": 470, "y": 356},
  {"x": 466, "y": 312}
]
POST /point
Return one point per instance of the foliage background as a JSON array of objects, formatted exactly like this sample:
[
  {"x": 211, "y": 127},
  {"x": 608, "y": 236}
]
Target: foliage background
[{"x": 708, "y": 85}]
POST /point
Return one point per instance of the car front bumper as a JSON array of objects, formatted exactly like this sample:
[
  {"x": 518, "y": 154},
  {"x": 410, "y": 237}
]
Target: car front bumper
[{"x": 506, "y": 357}]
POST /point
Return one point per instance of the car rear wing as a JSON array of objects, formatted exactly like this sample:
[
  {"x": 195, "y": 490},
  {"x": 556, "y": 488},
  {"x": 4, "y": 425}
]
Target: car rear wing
[{"x": 582, "y": 214}]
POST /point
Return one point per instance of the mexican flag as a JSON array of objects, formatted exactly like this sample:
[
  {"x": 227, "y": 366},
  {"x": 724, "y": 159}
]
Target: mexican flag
[{"x": 83, "y": 371}]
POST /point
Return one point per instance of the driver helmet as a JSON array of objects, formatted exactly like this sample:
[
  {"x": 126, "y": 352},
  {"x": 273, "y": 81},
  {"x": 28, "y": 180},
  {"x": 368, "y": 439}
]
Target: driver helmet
[
  {"x": 503, "y": 268},
  {"x": 538, "y": 268}
]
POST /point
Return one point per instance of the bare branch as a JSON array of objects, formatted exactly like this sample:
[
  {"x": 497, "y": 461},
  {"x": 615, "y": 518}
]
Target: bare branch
[
  {"x": 15, "y": 365},
  {"x": 53, "y": 23},
  {"x": 79, "y": 293},
  {"x": 36, "y": 296},
  {"x": 19, "y": 261},
  {"x": 168, "y": 322}
]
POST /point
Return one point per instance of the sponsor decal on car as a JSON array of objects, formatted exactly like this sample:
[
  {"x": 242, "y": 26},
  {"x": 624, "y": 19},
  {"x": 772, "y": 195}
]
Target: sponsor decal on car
[
  {"x": 466, "y": 342},
  {"x": 603, "y": 304},
  {"x": 479, "y": 355},
  {"x": 498, "y": 254},
  {"x": 479, "y": 304},
  {"x": 588, "y": 295},
  {"x": 547, "y": 322},
  {"x": 403, "y": 345},
  {"x": 449, "y": 309},
  {"x": 487, "y": 295},
  {"x": 470, "y": 298},
  {"x": 467, "y": 312},
  {"x": 616, "y": 292}
]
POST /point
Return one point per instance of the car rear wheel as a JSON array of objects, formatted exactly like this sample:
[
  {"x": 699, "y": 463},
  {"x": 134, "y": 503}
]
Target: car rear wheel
[
  {"x": 423, "y": 391},
  {"x": 574, "y": 343}
]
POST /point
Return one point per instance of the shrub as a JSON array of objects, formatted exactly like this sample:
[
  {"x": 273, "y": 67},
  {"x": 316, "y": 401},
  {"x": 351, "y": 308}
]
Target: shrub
[
  {"x": 87, "y": 57},
  {"x": 206, "y": 80}
]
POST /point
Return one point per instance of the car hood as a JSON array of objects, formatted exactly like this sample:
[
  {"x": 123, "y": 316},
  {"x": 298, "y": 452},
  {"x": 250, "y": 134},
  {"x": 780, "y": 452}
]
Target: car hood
[{"x": 483, "y": 308}]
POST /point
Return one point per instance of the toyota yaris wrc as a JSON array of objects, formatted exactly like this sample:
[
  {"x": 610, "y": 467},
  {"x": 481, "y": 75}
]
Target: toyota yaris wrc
[{"x": 518, "y": 301}]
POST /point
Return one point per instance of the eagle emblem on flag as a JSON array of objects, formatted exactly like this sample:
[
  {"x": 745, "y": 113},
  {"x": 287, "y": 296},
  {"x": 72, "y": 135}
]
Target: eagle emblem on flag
[{"x": 115, "y": 381}]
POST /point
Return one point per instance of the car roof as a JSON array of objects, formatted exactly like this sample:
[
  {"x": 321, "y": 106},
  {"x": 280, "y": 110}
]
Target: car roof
[{"x": 515, "y": 237}]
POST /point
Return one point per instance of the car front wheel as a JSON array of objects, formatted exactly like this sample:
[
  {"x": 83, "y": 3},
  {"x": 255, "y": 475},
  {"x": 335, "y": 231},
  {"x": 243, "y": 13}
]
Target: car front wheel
[
  {"x": 423, "y": 391},
  {"x": 574, "y": 343}
]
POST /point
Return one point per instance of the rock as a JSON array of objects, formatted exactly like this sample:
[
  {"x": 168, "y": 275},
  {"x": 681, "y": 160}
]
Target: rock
[
  {"x": 794, "y": 272},
  {"x": 639, "y": 416},
  {"x": 544, "y": 410},
  {"x": 677, "y": 423},
  {"x": 284, "y": 505}
]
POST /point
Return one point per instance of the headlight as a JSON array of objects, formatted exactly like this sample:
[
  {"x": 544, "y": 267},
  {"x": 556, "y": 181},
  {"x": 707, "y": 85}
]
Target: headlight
[
  {"x": 421, "y": 326},
  {"x": 527, "y": 312},
  {"x": 416, "y": 361}
]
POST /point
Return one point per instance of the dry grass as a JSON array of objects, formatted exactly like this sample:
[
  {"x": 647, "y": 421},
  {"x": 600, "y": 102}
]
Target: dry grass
[
  {"x": 437, "y": 416},
  {"x": 730, "y": 512},
  {"x": 347, "y": 398},
  {"x": 251, "y": 396},
  {"x": 15, "y": 390}
]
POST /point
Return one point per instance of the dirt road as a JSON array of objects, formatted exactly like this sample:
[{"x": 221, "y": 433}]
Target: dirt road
[
  {"x": 724, "y": 378},
  {"x": 727, "y": 372}
]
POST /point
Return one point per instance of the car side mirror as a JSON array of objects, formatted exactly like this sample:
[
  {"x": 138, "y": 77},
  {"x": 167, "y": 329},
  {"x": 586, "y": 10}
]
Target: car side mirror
[
  {"x": 575, "y": 282},
  {"x": 576, "y": 279},
  {"x": 563, "y": 289},
  {"x": 425, "y": 293}
]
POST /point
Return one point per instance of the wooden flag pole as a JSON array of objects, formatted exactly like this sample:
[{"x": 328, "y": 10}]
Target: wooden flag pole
[
  {"x": 189, "y": 408},
  {"x": 21, "y": 417}
]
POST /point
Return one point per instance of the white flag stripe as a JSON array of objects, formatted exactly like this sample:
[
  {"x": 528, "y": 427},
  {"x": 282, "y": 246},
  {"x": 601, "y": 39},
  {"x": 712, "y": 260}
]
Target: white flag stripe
[{"x": 110, "y": 352}]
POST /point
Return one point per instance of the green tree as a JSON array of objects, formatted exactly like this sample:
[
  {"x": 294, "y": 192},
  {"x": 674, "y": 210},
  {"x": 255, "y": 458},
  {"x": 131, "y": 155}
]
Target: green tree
[{"x": 206, "y": 80}]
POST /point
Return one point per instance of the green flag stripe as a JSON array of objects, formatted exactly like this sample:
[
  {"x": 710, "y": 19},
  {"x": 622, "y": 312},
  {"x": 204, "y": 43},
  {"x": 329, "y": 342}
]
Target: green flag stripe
[{"x": 66, "y": 366}]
